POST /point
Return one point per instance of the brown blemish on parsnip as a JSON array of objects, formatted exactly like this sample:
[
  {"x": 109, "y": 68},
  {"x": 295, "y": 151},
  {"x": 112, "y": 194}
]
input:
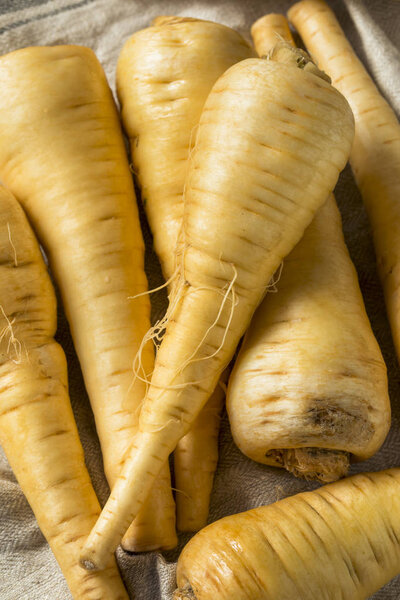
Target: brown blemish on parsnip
[{"x": 332, "y": 420}]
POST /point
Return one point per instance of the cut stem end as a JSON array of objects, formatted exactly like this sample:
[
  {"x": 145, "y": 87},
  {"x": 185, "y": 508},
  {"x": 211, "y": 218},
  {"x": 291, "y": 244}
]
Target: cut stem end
[
  {"x": 313, "y": 463},
  {"x": 284, "y": 52}
]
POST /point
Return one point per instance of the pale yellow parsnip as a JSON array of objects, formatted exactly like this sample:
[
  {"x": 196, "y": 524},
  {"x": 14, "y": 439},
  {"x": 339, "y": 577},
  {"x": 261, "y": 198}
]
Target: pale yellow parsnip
[
  {"x": 309, "y": 387},
  {"x": 164, "y": 75},
  {"x": 195, "y": 462},
  {"x": 268, "y": 30},
  {"x": 375, "y": 155},
  {"x": 62, "y": 154},
  {"x": 247, "y": 204},
  {"x": 339, "y": 541},
  {"x": 37, "y": 427}
]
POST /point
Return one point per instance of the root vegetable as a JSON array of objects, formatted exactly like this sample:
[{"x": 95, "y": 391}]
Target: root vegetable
[
  {"x": 339, "y": 541},
  {"x": 309, "y": 388},
  {"x": 271, "y": 142},
  {"x": 195, "y": 461},
  {"x": 375, "y": 155},
  {"x": 37, "y": 427},
  {"x": 164, "y": 75},
  {"x": 268, "y": 31},
  {"x": 62, "y": 154}
]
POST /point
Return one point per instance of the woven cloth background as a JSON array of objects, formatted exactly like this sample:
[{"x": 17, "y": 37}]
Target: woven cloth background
[{"x": 27, "y": 567}]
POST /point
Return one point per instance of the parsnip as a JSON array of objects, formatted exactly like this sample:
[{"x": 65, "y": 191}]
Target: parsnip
[
  {"x": 268, "y": 31},
  {"x": 37, "y": 427},
  {"x": 62, "y": 154},
  {"x": 164, "y": 75},
  {"x": 339, "y": 541},
  {"x": 271, "y": 142},
  {"x": 309, "y": 388},
  {"x": 375, "y": 155},
  {"x": 195, "y": 462}
]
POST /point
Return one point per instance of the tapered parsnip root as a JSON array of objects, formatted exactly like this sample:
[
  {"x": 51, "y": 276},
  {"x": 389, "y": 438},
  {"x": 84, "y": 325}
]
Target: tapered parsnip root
[
  {"x": 154, "y": 527},
  {"x": 37, "y": 427},
  {"x": 247, "y": 204},
  {"x": 164, "y": 76},
  {"x": 339, "y": 541},
  {"x": 195, "y": 462},
  {"x": 62, "y": 154},
  {"x": 375, "y": 155},
  {"x": 309, "y": 388}
]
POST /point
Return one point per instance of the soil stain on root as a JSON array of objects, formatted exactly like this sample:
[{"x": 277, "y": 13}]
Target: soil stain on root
[
  {"x": 324, "y": 420},
  {"x": 332, "y": 421}
]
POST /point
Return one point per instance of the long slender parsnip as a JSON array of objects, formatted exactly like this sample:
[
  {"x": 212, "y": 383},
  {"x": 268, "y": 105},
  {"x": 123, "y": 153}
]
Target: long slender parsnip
[
  {"x": 271, "y": 142},
  {"x": 164, "y": 75},
  {"x": 339, "y": 541},
  {"x": 62, "y": 154},
  {"x": 309, "y": 388},
  {"x": 195, "y": 462},
  {"x": 37, "y": 427},
  {"x": 375, "y": 156}
]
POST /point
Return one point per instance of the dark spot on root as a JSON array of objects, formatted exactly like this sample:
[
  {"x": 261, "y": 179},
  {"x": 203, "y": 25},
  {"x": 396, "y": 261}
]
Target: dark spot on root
[
  {"x": 331, "y": 420},
  {"x": 88, "y": 565}
]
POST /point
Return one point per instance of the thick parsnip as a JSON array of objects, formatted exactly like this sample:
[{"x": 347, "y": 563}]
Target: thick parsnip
[
  {"x": 375, "y": 155},
  {"x": 37, "y": 427},
  {"x": 339, "y": 541},
  {"x": 62, "y": 154},
  {"x": 164, "y": 75},
  {"x": 309, "y": 388},
  {"x": 271, "y": 142}
]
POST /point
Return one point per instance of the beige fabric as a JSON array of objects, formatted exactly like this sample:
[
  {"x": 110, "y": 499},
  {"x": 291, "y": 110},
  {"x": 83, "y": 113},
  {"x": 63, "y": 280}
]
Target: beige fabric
[{"x": 27, "y": 567}]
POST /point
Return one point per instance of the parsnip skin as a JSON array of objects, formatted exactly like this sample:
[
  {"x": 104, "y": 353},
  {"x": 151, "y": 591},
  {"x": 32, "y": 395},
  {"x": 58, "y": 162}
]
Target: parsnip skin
[
  {"x": 268, "y": 31},
  {"x": 247, "y": 204},
  {"x": 310, "y": 373},
  {"x": 195, "y": 462},
  {"x": 375, "y": 155},
  {"x": 309, "y": 388},
  {"x": 62, "y": 154},
  {"x": 37, "y": 427},
  {"x": 339, "y": 541},
  {"x": 164, "y": 76}
]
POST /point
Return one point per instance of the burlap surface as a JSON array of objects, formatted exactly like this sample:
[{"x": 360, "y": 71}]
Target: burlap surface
[{"x": 27, "y": 567}]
